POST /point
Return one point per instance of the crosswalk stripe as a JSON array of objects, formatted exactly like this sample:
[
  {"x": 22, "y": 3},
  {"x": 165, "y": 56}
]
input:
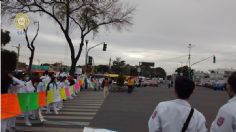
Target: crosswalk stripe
[
  {"x": 78, "y": 113},
  {"x": 80, "y": 110},
  {"x": 47, "y": 129},
  {"x": 88, "y": 102},
  {"x": 75, "y": 114},
  {"x": 71, "y": 117},
  {"x": 91, "y": 107},
  {"x": 58, "y": 122},
  {"x": 85, "y": 104}
]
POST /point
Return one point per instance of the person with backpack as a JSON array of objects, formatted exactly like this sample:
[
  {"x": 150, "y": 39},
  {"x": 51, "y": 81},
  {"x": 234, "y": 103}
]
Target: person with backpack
[
  {"x": 225, "y": 120},
  {"x": 178, "y": 115}
]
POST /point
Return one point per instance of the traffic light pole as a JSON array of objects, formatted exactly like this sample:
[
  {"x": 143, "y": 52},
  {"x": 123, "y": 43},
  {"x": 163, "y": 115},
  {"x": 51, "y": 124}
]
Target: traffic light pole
[
  {"x": 189, "y": 59},
  {"x": 94, "y": 47},
  {"x": 87, "y": 52},
  {"x": 202, "y": 60}
]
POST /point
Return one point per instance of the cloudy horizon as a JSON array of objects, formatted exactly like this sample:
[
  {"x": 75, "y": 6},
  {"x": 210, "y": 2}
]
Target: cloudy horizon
[{"x": 161, "y": 33}]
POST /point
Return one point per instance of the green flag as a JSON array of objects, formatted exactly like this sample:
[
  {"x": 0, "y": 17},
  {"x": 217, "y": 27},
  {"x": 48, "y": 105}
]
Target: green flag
[
  {"x": 33, "y": 101},
  {"x": 23, "y": 100},
  {"x": 28, "y": 101}
]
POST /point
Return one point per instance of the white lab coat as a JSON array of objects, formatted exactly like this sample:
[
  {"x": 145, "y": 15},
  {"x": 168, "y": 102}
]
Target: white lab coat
[
  {"x": 46, "y": 79},
  {"x": 225, "y": 120},
  {"x": 57, "y": 97},
  {"x": 40, "y": 87},
  {"x": 23, "y": 87},
  {"x": 170, "y": 116}
]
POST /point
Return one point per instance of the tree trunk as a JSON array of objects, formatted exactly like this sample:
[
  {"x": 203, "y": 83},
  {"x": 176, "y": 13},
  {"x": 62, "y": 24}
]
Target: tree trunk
[
  {"x": 31, "y": 58},
  {"x": 73, "y": 65},
  {"x": 74, "y": 59}
]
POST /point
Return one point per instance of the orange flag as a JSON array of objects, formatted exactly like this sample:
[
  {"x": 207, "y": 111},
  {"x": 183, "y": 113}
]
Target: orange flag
[
  {"x": 42, "y": 99},
  {"x": 80, "y": 83},
  {"x": 10, "y": 106}
]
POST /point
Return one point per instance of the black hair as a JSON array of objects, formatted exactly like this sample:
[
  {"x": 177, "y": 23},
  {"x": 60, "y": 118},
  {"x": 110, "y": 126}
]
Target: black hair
[
  {"x": 232, "y": 81},
  {"x": 6, "y": 81},
  {"x": 46, "y": 72},
  {"x": 52, "y": 82},
  {"x": 184, "y": 87}
]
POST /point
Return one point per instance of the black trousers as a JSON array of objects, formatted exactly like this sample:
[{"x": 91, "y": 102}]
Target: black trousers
[{"x": 130, "y": 89}]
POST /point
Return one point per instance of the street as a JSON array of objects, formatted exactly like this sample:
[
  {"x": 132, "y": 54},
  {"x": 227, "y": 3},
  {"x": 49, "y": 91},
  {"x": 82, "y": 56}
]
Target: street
[
  {"x": 130, "y": 112},
  {"x": 121, "y": 111}
]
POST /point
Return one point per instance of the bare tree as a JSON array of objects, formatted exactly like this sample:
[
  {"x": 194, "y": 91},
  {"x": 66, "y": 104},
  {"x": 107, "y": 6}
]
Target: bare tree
[
  {"x": 30, "y": 45},
  {"x": 87, "y": 15}
]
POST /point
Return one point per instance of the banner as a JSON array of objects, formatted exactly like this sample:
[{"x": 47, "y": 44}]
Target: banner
[
  {"x": 23, "y": 100},
  {"x": 50, "y": 97},
  {"x": 67, "y": 92},
  {"x": 28, "y": 101},
  {"x": 93, "y": 84},
  {"x": 71, "y": 90},
  {"x": 33, "y": 101},
  {"x": 76, "y": 86},
  {"x": 42, "y": 99},
  {"x": 9, "y": 106},
  {"x": 62, "y": 93},
  {"x": 80, "y": 83}
]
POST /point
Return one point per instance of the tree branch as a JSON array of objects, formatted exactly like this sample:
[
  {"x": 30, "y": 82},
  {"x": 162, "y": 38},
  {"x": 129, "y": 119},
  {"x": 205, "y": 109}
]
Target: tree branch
[
  {"x": 54, "y": 17},
  {"x": 76, "y": 22},
  {"x": 67, "y": 16},
  {"x": 32, "y": 42},
  {"x": 27, "y": 39}
]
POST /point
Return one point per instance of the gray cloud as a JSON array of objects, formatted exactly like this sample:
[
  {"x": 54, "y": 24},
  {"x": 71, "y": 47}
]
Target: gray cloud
[{"x": 162, "y": 30}]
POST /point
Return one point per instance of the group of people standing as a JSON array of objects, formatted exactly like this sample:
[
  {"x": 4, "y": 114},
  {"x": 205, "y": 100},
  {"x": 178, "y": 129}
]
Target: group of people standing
[
  {"x": 24, "y": 83},
  {"x": 179, "y": 116}
]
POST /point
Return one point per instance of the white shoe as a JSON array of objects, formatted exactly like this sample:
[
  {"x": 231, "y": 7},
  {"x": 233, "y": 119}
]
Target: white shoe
[
  {"x": 48, "y": 112},
  {"x": 56, "y": 113},
  {"x": 27, "y": 123},
  {"x": 33, "y": 117},
  {"x": 43, "y": 120}
]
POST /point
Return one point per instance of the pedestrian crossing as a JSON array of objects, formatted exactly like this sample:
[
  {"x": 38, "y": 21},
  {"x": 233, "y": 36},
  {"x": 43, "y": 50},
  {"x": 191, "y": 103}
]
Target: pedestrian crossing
[{"x": 75, "y": 115}]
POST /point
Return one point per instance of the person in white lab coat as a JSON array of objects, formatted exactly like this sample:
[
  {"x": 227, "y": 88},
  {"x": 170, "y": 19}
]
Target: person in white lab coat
[
  {"x": 177, "y": 115},
  {"x": 52, "y": 85},
  {"x": 21, "y": 86},
  {"x": 225, "y": 120},
  {"x": 40, "y": 88}
]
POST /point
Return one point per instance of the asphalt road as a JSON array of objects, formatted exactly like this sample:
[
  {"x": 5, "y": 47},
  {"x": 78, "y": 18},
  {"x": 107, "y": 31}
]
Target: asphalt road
[{"x": 130, "y": 112}]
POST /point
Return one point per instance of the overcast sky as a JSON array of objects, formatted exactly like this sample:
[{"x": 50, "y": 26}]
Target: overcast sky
[{"x": 161, "y": 33}]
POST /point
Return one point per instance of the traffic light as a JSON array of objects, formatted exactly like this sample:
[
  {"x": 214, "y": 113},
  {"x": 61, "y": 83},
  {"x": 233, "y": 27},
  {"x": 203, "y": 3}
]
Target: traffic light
[
  {"x": 214, "y": 59},
  {"x": 104, "y": 47},
  {"x": 90, "y": 60}
]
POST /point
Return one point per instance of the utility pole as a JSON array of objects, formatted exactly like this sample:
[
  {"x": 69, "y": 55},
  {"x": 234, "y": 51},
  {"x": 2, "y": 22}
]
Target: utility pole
[
  {"x": 18, "y": 54},
  {"x": 110, "y": 65},
  {"x": 189, "y": 60},
  {"x": 86, "y": 56}
]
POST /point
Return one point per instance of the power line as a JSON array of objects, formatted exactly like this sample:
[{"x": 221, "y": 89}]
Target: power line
[{"x": 174, "y": 58}]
